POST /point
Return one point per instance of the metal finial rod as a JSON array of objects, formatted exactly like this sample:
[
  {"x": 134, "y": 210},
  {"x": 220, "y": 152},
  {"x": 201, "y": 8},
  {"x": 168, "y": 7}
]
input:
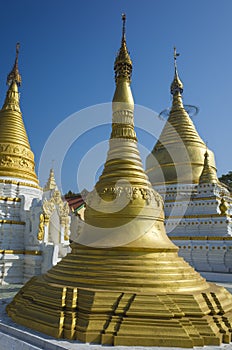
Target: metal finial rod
[
  {"x": 123, "y": 25},
  {"x": 17, "y": 49},
  {"x": 175, "y": 57},
  {"x": 14, "y": 75}
]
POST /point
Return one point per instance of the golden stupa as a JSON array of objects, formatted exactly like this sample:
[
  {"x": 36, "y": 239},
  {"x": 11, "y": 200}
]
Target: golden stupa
[
  {"x": 178, "y": 156},
  {"x": 16, "y": 157},
  {"x": 209, "y": 173},
  {"x": 123, "y": 282}
]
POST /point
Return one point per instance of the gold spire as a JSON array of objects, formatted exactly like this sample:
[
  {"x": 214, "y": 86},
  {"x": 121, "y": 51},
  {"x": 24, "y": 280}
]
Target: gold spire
[
  {"x": 208, "y": 174},
  {"x": 123, "y": 282},
  {"x": 177, "y": 85},
  {"x": 123, "y": 71},
  {"x": 123, "y": 63},
  {"x": 16, "y": 157},
  {"x": 51, "y": 183},
  {"x": 13, "y": 80},
  {"x": 123, "y": 171},
  {"x": 178, "y": 155},
  {"x": 14, "y": 75}
]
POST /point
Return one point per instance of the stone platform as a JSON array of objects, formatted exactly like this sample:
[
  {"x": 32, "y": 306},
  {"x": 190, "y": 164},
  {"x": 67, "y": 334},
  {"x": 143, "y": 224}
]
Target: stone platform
[{"x": 16, "y": 337}]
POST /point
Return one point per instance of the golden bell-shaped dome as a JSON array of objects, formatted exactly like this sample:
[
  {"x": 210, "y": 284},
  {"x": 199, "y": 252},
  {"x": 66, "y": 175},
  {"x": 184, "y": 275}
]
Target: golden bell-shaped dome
[
  {"x": 178, "y": 156},
  {"x": 16, "y": 157}
]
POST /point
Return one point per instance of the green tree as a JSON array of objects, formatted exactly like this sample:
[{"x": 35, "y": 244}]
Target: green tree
[
  {"x": 70, "y": 194},
  {"x": 227, "y": 179}
]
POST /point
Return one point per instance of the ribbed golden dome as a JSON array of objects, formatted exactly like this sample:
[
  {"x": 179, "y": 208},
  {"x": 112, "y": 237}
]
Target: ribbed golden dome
[
  {"x": 16, "y": 157},
  {"x": 123, "y": 282},
  {"x": 178, "y": 156}
]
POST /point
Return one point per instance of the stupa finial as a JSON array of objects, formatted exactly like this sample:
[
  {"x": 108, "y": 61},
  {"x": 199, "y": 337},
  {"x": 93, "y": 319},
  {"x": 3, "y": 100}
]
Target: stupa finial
[
  {"x": 51, "y": 183},
  {"x": 208, "y": 174},
  {"x": 123, "y": 63},
  {"x": 123, "y": 26},
  {"x": 14, "y": 81},
  {"x": 14, "y": 75},
  {"x": 177, "y": 85},
  {"x": 175, "y": 58}
]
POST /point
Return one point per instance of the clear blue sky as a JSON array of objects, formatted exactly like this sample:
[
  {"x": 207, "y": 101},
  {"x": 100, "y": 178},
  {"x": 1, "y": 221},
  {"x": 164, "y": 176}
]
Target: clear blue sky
[{"x": 67, "y": 54}]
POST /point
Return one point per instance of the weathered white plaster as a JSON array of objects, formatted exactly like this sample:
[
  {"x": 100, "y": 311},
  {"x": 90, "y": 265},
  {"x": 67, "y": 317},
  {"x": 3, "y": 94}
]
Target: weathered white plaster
[{"x": 23, "y": 252}]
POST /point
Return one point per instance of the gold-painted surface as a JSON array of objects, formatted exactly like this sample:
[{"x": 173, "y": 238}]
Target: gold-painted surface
[
  {"x": 19, "y": 183},
  {"x": 177, "y": 85},
  {"x": 122, "y": 96},
  {"x": 25, "y": 252},
  {"x": 125, "y": 317},
  {"x": 66, "y": 230},
  {"x": 12, "y": 222},
  {"x": 51, "y": 183},
  {"x": 40, "y": 235},
  {"x": 16, "y": 157},
  {"x": 10, "y": 199},
  {"x": 123, "y": 63},
  {"x": 14, "y": 75},
  {"x": 223, "y": 207},
  {"x": 32, "y": 252},
  {"x": 178, "y": 156},
  {"x": 123, "y": 282},
  {"x": 149, "y": 172},
  {"x": 11, "y": 251},
  {"x": 208, "y": 174}
]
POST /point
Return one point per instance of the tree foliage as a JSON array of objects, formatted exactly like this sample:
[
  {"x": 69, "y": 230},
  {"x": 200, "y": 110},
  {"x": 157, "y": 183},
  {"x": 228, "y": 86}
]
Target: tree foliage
[
  {"x": 227, "y": 179},
  {"x": 70, "y": 194}
]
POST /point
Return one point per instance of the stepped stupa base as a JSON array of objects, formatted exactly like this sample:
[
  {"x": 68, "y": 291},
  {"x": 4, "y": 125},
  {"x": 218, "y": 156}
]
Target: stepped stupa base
[{"x": 62, "y": 305}]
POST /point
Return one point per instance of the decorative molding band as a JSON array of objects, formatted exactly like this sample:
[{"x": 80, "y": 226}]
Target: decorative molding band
[
  {"x": 33, "y": 252},
  {"x": 200, "y": 238},
  {"x": 195, "y": 216},
  {"x": 131, "y": 192},
  {"x": 23, "y": 252},
  {"x": 174, "y": 182},
  {"x": 12, "y": 222},
  {"x": 188, "y": 199},
  {"x": 19, "y": 183},
  {"x": 10, "y": 199}
]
